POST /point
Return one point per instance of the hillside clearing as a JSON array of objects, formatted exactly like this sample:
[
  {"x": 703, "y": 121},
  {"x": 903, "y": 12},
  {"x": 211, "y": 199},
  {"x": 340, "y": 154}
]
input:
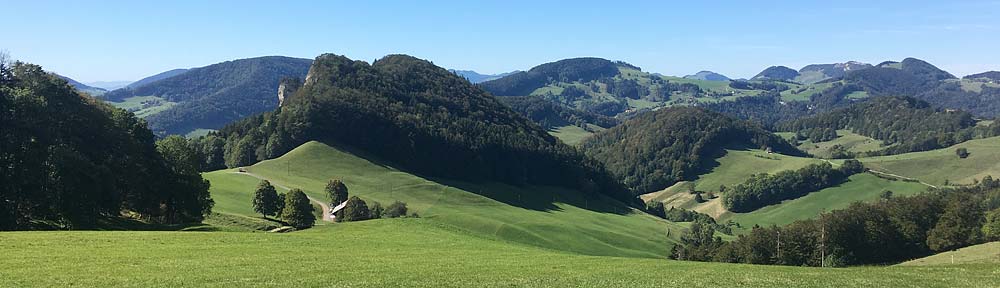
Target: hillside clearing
[{"x": 938, "y": 166}]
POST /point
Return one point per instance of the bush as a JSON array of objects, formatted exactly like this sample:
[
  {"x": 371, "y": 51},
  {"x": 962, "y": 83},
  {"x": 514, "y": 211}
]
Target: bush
[
  {"x": 395, "y": 210},
  {"x": 355, "y": 210},
  {"x": 962, "y": 153},
  {"x": 298, "y": 212},
  {"x": 376, "y": 210}
]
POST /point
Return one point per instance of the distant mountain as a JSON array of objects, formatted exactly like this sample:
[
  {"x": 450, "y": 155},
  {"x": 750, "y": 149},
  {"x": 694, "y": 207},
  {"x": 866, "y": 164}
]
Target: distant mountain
[
  {"x": 213, "y": 96},
  {"x": 156, "y": 77},
  {"x": 819, "y": 72},
  {"x": 108, "y": 85},
  {"x": 420, "y": 117},
  {"x": 990, "y": 75},
  {"x": 708, "y": 75},
  {"x": 777, "y": 73},
  {"x": 568, "y": 70},
  {"x": 93, "y": 91},
  {"x": 919, "y": 68},
  {"x": 475, "y": 77}
]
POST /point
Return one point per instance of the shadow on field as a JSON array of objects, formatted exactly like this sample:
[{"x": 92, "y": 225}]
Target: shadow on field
[{"x": 539, "y": 198}]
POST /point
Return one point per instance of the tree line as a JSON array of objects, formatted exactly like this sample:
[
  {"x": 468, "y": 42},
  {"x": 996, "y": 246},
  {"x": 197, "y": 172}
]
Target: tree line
[
  {"x": 68, "y": 160},
  {"x": 766, "y": 189},
  {"x": 891, "y": 230}
]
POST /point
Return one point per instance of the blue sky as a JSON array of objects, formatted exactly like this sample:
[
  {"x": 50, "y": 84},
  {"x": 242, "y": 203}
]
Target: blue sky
[{"x": 128, "y": 40}]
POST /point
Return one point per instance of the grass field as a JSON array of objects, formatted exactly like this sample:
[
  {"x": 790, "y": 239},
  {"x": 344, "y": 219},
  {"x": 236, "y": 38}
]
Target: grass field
[
  {"x": 547, "y": 217},
  {"x": 860, "y": 187},
  {"x": 397, "y": 253},
  {"x": 936, "y": 166},
  {"x": 572, "y": 135},
  {"x": 849, "y": 140},
  {"x": 988, "y": 253},
  {"x": 143, "y": 106}
]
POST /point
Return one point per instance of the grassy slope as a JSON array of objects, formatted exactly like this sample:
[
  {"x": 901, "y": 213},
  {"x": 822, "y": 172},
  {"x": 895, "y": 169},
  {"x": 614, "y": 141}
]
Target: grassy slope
[
  {"x": 572, "y": 135},
  {"x": 936, "y": 166},
  {"x": 978, "y": 254},
  {"x": 860, "y": 187},
  {"x": 853, "y": 142},
  {"x": 396, "y": 253},
  {"x": 607, "y": 228},
  {"x": 738, "y": 165},
  {"x": 135, "y": 104}
]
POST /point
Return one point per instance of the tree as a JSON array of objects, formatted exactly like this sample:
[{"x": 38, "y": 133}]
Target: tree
[
  {"x": 852, "y": 166},
  {"x": 337, "y": 191},
  {"x": 655, "y": 208},
  {"x": 962, "y": 152},
  {"x": 991, "y": 229},
  {"x": 376, "y": 209},
  {"x": 298, "y": 212},
  {"x": 396, "y": 209},
  {"x": 959, "y": 226},
  {"x": 355, "y": 210},
  {"x": 885, "y": 195},
  {"x": 265, "y": 199},
  {"x": 191, "y": 198}
]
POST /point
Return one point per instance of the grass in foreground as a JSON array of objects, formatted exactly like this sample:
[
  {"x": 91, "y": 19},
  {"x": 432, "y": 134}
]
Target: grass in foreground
[
  {"x": 547, "y": 217},
  {"x": 987, "y": 253},
  {"x": 396, "y": 253}
]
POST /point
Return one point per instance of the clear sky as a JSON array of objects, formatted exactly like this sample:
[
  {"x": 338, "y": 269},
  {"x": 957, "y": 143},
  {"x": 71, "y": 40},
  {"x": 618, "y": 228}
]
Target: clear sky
[{"x": 128, "y": 40}]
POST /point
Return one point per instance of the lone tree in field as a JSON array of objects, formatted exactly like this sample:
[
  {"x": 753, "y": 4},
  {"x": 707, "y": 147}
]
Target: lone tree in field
[
  {"x": 337, "y": 191},
  {"x": 355, "y": 210},
  {"x": 298, "y": 212},
  {"x": 962, "y": 153},
  {"x": 265, "y": 199},
  {"x": 394, "y": 210}
]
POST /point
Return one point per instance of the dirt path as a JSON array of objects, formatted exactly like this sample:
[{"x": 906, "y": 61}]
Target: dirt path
[{"x": 326, "y": 208}]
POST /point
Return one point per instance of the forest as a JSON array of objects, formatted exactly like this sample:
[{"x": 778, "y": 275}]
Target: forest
[
  {"x": 411, "y": 113},
  {"x": 60, "y": 174},
  {"x": 766, "y": 189},
  {"x": 550, "y": 115},
  {"x": 656, "y": 149}
]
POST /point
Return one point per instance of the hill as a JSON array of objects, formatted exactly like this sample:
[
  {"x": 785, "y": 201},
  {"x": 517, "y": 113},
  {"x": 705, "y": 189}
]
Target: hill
[
  {"x": 818, "y": 72},
  {"x": 70, "y": 160},
  {"x": 157, "y": 77},
  {"x": 420, "y": 116},
  {"x": 213, "y": 96},
  {"x": 549, "y": 217},
  {"x": 708, "y": 76},
  {"x": 475, "y": 77},
  {"x": 109, "y": 85},
  {"x": 941, "y": 166},
  {"x": 400, "y": 253},
  {"x": 780, "y": 73},
  {"x": 990, "y": 75},
  {"x": 93, "y": 91},
  {"x": 977, "y": 254},
  {"x": 657, "y": 149}
]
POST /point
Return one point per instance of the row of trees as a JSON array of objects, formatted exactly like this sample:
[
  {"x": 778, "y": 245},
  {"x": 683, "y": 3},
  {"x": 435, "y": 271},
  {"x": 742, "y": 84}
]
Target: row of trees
[
  {"x": 67, "y": 160},
  {"x": 294, "y": 208},
  {"x": 891, "y": 230},
  {"x": 766, "y": 189}
]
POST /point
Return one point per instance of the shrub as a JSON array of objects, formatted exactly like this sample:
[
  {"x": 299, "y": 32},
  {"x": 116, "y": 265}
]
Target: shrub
[
  {"x": 962, "y": 153},
  {"x": 298, "y": 212},
  {"x": 395, "y": 210},
  {"x": 355, "y": 210},
  {"x": 376, "y": 210}
]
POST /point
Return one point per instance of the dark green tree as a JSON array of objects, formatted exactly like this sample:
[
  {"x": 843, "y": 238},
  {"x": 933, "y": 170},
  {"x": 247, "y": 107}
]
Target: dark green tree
[
  {"x": 396, "y": 209},
  {"x": 376, "y": 209},
  {"x": 962, "y": 152},
  {"x": 298, "y": 212},
  {"x": 265, "y": 199},
  {"x": 337, "y": 191},
  {"x": 959, "y": 226},
  {"x": 355, "y": 210}
]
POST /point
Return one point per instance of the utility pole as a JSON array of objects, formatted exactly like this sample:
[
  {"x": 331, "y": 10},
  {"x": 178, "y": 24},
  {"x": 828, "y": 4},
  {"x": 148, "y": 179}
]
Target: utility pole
[
  {"x": 779, "y": 245},
  {"x": 822, "y": 242}
]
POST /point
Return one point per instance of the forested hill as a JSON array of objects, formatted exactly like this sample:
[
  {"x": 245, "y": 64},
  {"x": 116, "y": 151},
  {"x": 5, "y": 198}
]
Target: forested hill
[
  {"x": 568, "y": 70},
  {"x": 93, "y": 91},
  {"x": 213, "y": 96},
  {"x": 655, "y": 150},
  {"x": 419, "y": 116},
  {"x": 69, "y": 160},
  {"x": 777, "y": 73},
  {"x": 157, "y": 77},
  {"x": 904, "y": 124},
  {"x": 989, "y": 76},
  {"x": 550, "y": 115}
]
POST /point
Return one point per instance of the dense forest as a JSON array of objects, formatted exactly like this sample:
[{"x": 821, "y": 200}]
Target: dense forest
[
  {"x": 550, "y": 115},
  {"x": 68, "y": 160},
  {"x": 656, "y": 149},
  {"x": 903, "y": 124},
  {"x": 888, "y": 231},
  {"x": 777, "y": 73},
  {"x": 568, "y": 70},
  {"x": 417, "y": 115},
  {"x": 215, "y": 95}
]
